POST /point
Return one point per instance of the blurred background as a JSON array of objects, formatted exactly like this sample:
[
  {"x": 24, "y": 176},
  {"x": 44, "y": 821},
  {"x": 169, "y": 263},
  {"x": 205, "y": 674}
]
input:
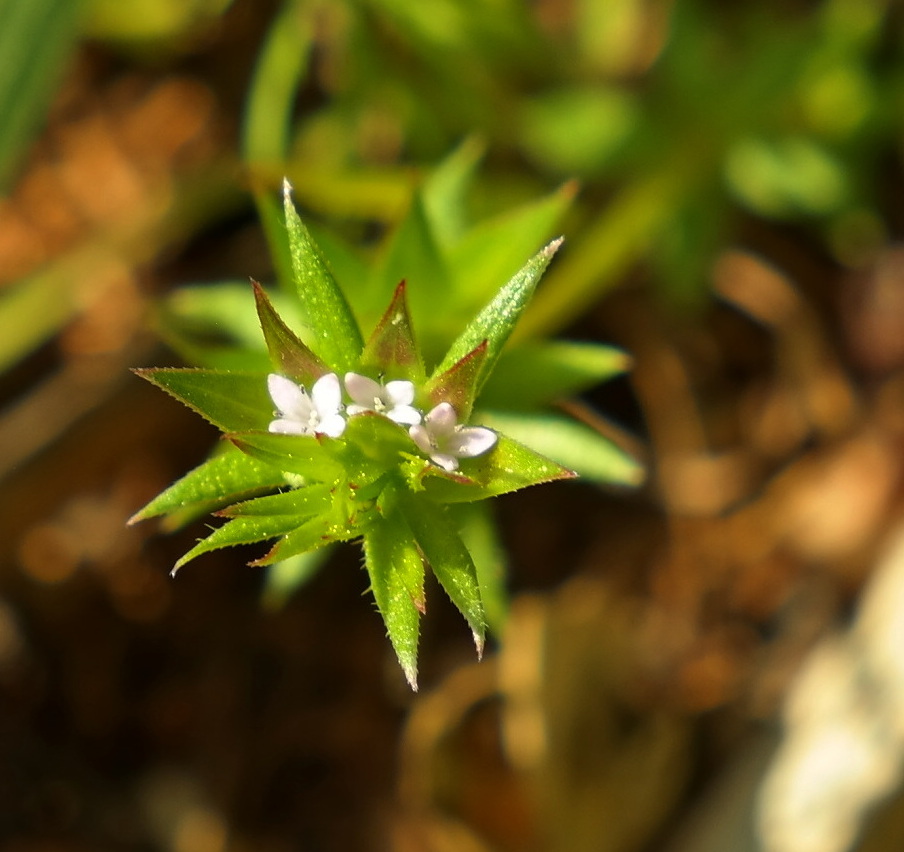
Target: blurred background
[{"x": 708, "y": 661}]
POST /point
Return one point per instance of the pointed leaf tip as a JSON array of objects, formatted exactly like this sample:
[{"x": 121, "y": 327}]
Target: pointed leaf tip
[
  {"x": 478, "y": 644},
  {"x": 552, "y": 247}
]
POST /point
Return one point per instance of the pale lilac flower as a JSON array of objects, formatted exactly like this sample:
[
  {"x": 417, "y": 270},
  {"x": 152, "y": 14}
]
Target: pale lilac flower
[
  {"x": 301, "y": 414},
  {"x": 446, "y": 442},
  {"x": 392, "y": 399}
]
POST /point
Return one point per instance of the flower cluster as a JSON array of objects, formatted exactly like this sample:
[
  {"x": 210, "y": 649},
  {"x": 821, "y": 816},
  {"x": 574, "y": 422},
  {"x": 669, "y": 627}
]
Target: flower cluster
[{"x": 437, "y": 433}]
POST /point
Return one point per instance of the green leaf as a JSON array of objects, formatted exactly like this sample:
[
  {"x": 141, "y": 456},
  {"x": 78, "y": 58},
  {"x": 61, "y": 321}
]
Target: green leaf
[
  {"x": 372, "y": 446},
  {"x": 396, "y": 573},
  {"x": 36, "y": 39},
  {"x": 248, "y": 530},
  {"x": 391, "y": 350},
  {"x": 480, "y": 533},
  {"x": 570, "y": 443},
  {"x": 233, "y": 402},
  {"x": 444, "y": 193},
  {"x": 291, "y": 357},
  {"x": 412, "y": 255},
  {"x": 310, "y": 535},
  {"x": 509, "y": 466},
  {"x": 496, "y": 248},
  {"x": 306, "y": 455},
  {"x": 497, "y": 320},
  {"x": 223, "y": 479},
  {"x": 458, "y": 385},
  {"x": 281, "y": 65},
  {"x": 306, "y": 501},
  {"x": 333, "y": 326},
  {"x": 449, "y": 560},
  {"x": 535, "y": 374}
]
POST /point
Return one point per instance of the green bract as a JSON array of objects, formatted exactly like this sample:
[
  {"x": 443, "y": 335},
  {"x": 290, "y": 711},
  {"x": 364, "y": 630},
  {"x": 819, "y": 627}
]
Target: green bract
[{"x": 346, "y": 438}]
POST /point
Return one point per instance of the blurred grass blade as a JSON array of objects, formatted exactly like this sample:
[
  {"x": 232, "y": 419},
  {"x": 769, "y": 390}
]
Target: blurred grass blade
[
  {"x": 36, "y": 38},
  {"x": 267, "y": 126}
]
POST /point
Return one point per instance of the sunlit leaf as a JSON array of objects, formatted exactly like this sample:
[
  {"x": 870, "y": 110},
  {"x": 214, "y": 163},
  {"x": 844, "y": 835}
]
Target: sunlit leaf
[
  {"x": 233, "y": 402},
  {"x": 301, "y": 502},
  {"x": 310, "y": 535},
  {"x": 305, "y": 455},
  {"x": 223, "y": 479},
  {"x": 509, "y": 466},
  {"x": 449, "y": 560},
  {"x": 572, "y": 444},
  {"x": 335, "y": 336},
  {"x": 245, "y": 530},
  {"x": 396, "y": 573},
  {"x": 497, "y": 320}
]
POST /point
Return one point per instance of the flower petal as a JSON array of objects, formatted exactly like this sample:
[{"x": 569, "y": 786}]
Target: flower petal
[
  {"x": 332, "y": 425},
  {"x": 471, "y": 441},
  {"x": 283, "y": 426},
  {"x": 363, "y": 390},
  {"x": 400, "y": 392},
  {"x": 289, "y": 398},
  {"x": 447, "y": 462},
  {"x": 441, "y": 420},
  {"x": 421, "y": 436},
  {"x": 404, "y": 414},
  {"x": 327, "y": 395}
]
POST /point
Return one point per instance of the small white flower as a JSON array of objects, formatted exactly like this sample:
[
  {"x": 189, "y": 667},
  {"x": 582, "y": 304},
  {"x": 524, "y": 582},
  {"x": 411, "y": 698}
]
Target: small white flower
[
  {"x": 300, "y": 414},
  {"x": 446, "y": 442},
  {"x": 392, "y": 399}
]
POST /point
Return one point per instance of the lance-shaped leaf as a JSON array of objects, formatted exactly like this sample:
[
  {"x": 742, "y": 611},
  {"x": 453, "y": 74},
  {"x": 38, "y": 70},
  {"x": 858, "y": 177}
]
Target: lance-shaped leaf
[
  {"x": 497, "y": 320},
  {"x": 302, "y": 502},
  {"x": 458, "y": 385},
  {"x": 233, "y": 402},
  {"x": 391, "y": 350},
  {"x": 248, "y": 530},
  {"x": 305, "y": 455},
  {"x": 571, "y": 443},
  {"x": 509, "y": 466},
  {"x": 449, "y": 560},
  {"x": 535, "y": 374},
  {"x": 290, "y": 356},
  {"x": 223, "y": 479},
  {"x": 307, "y": 536},
  {"x": 333, "y": 326},
  {"x": 396, "y": 573}
]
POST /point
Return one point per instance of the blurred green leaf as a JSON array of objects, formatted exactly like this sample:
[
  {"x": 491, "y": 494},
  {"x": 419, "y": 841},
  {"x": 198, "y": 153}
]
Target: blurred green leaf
[
  {"x": 480, "y": 534},
  {"x": 535, "y": 374},
  {"x": 36, "y": 39}
]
